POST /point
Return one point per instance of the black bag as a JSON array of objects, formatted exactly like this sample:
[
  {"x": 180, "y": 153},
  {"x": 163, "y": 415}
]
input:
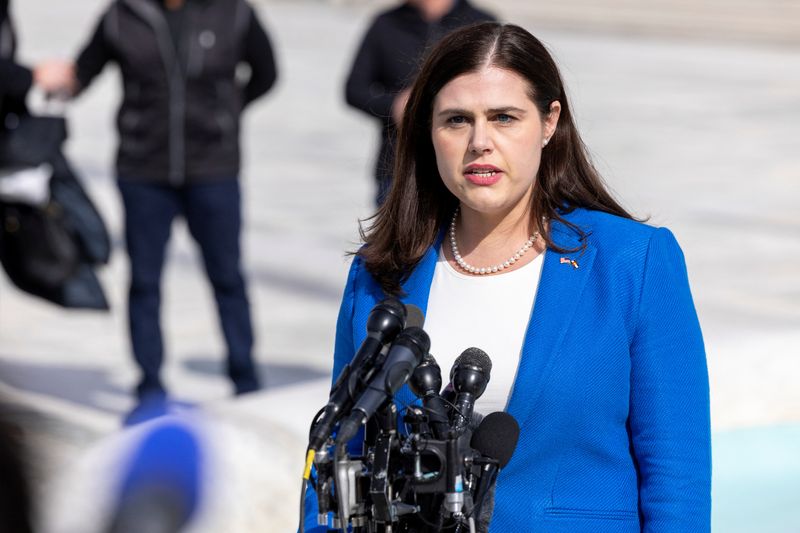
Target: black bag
[
  {"x": 42, "y": 256},
  {"x": 29, "y": 141},
  {"x": 37, "y": 246},
  {"x": 49, "y": 252},
  {"x": 80, "y": 213}
]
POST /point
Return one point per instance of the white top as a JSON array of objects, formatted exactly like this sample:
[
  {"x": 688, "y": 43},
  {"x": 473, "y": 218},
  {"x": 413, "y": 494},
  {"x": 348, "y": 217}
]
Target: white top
[{"x": 487, "y": 312}]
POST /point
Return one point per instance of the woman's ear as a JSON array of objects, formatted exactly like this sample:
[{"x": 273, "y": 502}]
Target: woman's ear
[{"x": 551, "y": 120}]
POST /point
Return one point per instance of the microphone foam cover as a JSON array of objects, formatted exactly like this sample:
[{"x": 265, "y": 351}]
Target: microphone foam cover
[
  {"x": 496, "y": 437},
  {"x": 415, "y": 317},
  {"x": 475, "y": 357},
  {"x": 161, "y": 486}
]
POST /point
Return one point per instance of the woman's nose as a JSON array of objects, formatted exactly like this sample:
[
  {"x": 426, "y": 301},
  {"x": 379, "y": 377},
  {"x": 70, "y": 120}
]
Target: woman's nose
[{"x": 481, "y": 141}]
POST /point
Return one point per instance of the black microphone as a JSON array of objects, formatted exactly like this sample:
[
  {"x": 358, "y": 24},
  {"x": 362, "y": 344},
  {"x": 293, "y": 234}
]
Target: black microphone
[
  {"x": 405, "y": 354},
  {"x": 385, "y": 321},
  {"x": 469, "y": 377},
  {"x": 426, "y": 382},
  {"x": 495, "y": 438}
]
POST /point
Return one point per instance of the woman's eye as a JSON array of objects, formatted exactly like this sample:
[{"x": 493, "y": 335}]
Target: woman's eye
[
  {"x": 502, "y": 118},
  {"x": 457, "y": 120}
]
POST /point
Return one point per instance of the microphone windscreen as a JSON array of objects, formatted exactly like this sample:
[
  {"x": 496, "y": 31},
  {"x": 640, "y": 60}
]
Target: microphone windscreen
[
  {"x": 475, "y": 357},
  {"x": 496, "y": 437},
  {"x": 161, "y": 484},
  {"x": 415, "y": 317}
]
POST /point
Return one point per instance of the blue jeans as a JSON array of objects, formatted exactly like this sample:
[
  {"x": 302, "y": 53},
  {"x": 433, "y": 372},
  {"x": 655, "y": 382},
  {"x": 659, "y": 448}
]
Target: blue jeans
[{"x": 213, "y": 215}]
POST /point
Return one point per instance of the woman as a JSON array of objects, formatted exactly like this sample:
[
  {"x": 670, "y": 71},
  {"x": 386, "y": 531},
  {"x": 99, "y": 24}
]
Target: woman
[{"x": 495, "y": 205}]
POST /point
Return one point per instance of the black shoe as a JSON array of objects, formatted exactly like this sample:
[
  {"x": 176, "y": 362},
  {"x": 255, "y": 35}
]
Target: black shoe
[
  {"x": 150, "y": 406},
  {"x": 246, "y": 386}
]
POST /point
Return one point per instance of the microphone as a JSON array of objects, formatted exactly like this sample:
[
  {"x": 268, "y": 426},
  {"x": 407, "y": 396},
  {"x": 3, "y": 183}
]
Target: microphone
[
  {"x": 495, "y": 438},
  {"x": 415, "y": 318},
  {"x": 161, "y": 489},
  {"x": 469, "y": 377},
  {"x": 385, "y": 321},
  {"x": 405, "y": 354},
  {"x": 425, "y": 383}
]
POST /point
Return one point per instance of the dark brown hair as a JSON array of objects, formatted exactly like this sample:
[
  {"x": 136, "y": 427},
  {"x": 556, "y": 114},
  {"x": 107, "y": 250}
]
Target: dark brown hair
[{"x": 419, "y": 204}]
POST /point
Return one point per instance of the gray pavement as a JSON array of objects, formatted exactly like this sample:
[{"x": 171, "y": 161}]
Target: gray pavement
[{"x": 695, "y": 131}]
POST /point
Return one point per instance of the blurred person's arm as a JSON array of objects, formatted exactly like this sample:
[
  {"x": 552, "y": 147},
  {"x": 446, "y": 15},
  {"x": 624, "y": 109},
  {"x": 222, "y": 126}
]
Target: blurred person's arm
[
  {"x": 365, "y": 89},
  {"x": 15, "y": 79},
  {"x": 51, "y": 76},
  {"x": 258, "y": 54},
  {"x": 92, "y": 58}
]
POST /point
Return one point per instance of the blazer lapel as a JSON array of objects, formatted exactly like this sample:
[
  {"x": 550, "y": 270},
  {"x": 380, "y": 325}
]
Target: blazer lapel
[
  {"x": 562, "y": 281},
  {"x": 417, "y": 289},
  {"x": 418, "y": 286}
]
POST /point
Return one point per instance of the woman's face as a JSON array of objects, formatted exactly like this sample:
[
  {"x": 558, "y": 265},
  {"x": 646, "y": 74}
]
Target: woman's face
[{"x": 488, "y": 136}]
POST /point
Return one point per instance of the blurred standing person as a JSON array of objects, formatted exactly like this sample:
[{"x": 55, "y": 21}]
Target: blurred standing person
[
  {"x": 388, "y": 60},
  {"x": 15, "y": 79},
  {"x": 178, "y": 155}
]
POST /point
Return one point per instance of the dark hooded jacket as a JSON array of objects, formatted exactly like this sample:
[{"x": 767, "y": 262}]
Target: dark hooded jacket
[{"x": 179, "y": 118}]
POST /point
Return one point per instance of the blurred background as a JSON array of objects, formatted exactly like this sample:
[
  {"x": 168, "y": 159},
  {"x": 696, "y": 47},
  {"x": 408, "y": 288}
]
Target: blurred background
[{"x": 690, "y": 110}]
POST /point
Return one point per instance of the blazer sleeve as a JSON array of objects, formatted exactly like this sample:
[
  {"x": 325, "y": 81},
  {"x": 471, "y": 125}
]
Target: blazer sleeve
[
  {"x": 344, "y": 351},
  {"x": 669, "y": 411}
]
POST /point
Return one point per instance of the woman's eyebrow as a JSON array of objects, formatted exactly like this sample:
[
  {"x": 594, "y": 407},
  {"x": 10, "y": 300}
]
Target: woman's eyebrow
[
  {"x": 454, "y": 111},
  {"x": 506, "y": 109}
]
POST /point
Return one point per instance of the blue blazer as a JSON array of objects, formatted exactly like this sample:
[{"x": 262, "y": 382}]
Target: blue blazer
[{"x": 611, "y": 392}]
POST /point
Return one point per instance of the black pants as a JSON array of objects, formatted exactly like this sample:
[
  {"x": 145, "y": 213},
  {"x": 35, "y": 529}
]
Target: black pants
[{"x": 213, "y": 215}]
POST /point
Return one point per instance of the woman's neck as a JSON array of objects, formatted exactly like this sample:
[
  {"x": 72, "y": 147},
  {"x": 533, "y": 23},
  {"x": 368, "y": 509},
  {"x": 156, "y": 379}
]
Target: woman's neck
[
  {"x": 433, "y": 10},
  {"x": 490, "y": 239}
]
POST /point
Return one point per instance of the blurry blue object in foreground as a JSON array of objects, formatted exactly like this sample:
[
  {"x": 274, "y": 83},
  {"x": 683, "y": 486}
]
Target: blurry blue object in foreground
[
  {"x": 160, "y": 485},
  {"x": 756, "y": 480}
]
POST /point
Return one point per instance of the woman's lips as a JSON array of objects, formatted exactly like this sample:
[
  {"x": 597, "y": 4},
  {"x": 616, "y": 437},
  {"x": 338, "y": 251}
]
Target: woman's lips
[{"x": 483, "y": 174}]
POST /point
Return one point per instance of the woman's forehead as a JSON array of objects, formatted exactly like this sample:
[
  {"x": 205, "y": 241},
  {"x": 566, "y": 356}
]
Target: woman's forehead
[{"x": 488, "y": 87}]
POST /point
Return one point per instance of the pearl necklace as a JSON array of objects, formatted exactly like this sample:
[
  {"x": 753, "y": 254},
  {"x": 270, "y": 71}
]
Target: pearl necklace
[{"x": 491, "y": 269}]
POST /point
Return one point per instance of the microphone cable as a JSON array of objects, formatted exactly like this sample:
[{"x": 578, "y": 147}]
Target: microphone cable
[{"x": 304, "y": 487}]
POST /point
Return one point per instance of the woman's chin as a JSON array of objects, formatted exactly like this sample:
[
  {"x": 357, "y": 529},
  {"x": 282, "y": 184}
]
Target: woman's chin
[{"x": 489, "y": 205}]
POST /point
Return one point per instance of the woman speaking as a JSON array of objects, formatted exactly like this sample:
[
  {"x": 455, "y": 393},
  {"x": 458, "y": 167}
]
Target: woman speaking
[{"x": 500, "y": 229}]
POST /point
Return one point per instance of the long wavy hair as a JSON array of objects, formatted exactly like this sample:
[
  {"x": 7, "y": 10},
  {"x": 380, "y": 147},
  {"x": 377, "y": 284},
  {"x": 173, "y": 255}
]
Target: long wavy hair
[{"x": 419, "y": 204}]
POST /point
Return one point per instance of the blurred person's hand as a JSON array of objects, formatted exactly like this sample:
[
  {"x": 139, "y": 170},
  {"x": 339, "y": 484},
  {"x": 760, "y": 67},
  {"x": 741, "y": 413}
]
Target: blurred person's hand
[
  {"x": 399, "y": 105},
  {"x": 55, "y": 77}
]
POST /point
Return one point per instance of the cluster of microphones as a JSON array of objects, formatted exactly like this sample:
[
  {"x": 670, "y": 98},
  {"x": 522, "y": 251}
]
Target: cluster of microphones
[{"x": 426, "y": 467}]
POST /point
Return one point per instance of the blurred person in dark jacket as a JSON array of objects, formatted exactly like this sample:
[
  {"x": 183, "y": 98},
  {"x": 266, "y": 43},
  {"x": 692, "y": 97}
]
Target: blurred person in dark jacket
[
  {"x": 24, "y": 186},
  {"x": 388, "y": 59},
  {"x": 179, "y": 155},
  {"x": 16, "y": 79}
]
